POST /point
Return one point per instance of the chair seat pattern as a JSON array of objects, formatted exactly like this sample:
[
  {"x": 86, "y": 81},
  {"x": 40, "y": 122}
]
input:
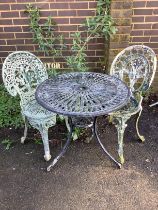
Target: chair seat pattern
[
  {"x": 133, "y": 105},
  {"x": 34, "y": 110}
]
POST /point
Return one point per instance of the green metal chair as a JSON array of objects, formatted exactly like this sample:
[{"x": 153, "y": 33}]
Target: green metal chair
[
  {"x": 22, "y": 72},
  {"x": 136, "y": 66}
]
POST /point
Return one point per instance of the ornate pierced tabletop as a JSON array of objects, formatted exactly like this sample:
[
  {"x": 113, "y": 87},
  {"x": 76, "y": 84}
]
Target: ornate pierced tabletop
[{"x": 82, "y": 95}]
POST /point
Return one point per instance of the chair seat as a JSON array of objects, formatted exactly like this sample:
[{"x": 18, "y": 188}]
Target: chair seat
[
  {"x": 34, "y": 110},
  {"x": 131, "y": 107}
]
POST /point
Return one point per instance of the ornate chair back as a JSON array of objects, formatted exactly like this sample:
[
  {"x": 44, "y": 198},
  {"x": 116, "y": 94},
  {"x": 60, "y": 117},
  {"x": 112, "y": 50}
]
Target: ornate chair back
[
  {"x": 135, "y": 65},
  {"x": 22, "y": 72}
]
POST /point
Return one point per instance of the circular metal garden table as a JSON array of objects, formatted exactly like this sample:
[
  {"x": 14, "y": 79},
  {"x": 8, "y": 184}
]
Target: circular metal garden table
[{"x": 82, "y": 97}]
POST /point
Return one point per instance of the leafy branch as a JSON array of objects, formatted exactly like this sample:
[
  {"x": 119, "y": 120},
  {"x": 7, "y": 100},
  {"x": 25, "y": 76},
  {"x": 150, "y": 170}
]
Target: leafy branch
[
  {"x": 44, "y": 35},
  {"x": 101, "y": 25}
]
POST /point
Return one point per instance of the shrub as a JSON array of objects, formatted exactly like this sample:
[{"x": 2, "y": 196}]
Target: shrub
[{"x": 10, "y": 114}]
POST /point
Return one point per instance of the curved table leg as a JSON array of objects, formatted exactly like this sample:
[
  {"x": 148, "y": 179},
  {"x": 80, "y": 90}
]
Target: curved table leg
[
  {"x": 63, "y": 149},
  {"x": 102, "y": 146}
]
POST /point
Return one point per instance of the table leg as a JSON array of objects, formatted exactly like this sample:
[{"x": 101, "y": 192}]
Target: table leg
[
  {"x": 64, "y": 148},
  {"x": 102, "y": 146},
  {"x": 69, "y": 140}
]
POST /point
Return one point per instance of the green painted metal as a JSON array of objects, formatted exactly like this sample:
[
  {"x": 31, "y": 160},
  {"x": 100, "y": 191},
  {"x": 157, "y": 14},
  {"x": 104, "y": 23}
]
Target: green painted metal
[
  {"x": 136, "y": 66},
  {"x": 22, "y": 72}
]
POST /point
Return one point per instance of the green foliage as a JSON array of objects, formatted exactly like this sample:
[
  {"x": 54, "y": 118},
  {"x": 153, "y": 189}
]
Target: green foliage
[
  {"x": 77, "y": 133},
  {"x": 10, "y": 114},
  {"x": 43, "y": 34},
  {"x": 38, "y": 141},
  {"x": 7, "y": 143},
  {"x": 52, "y": 72},
  {"x": 101, "y": 25},
  {"x": 60, "y": 119},
  {"x": 77, "y": 61}
]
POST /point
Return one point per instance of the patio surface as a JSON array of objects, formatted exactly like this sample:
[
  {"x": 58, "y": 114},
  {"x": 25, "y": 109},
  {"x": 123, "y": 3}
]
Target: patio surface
[{"x": 85, "y": 179}]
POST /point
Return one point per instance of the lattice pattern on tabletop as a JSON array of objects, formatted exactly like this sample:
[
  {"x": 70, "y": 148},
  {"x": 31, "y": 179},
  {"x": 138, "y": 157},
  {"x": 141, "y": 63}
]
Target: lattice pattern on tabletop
[{"x": 82, "y": 94}]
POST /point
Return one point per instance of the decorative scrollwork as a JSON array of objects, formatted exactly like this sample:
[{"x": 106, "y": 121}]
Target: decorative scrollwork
[
  {"x": 22, "y": 72},
  {"x": 135, "y": 65},
  {"x": 82, "y": 94}
]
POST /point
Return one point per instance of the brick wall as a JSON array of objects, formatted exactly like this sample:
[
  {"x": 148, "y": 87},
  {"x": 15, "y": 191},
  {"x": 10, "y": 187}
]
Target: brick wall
[
  {"x": 68, "y": 14},
  {"x": 136, "y": 21},
  {"x": 121, "y": 11},
  {"x": 145, "y": 27}
]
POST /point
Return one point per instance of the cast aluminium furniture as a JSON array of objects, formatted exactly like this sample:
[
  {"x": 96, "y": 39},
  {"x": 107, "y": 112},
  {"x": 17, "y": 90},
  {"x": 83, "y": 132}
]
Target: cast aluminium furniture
[
  {"x": 82, "y": 97},
  {"x": 136, "y": 66},
  {"x": 22, "y": 72}
]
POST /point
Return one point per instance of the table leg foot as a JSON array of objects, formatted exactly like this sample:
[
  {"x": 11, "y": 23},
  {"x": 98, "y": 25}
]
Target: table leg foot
[
  {"x": 119, "y": 165},
  {"x": 53, "y": 163},
  {"x": 102, "y": 146}
]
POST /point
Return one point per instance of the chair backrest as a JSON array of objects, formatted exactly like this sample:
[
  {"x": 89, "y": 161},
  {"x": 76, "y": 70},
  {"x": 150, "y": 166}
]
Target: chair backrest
[
  {"x": 136, "y": 66},
  {"x": 22, "y": 72}
]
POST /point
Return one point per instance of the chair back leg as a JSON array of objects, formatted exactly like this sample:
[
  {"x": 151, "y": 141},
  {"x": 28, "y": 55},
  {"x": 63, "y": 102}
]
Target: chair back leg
[{"x": 142, "y": 138}]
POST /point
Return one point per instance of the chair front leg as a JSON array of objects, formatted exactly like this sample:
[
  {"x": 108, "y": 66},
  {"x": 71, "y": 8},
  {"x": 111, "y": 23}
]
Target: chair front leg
[
  {"x": 25, "y": 130},
  {"x": 120, "y": 124},
  {"x": 44, "y": 133},
  {"x": 110, "y": 119},
  {"x": 140, "y": 136}
]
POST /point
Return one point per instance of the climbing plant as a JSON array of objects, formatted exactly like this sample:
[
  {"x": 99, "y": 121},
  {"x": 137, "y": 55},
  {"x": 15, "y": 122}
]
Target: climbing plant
[
  {"x": 100, "y": 25},
  {"x": 43, "y": 34}
]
